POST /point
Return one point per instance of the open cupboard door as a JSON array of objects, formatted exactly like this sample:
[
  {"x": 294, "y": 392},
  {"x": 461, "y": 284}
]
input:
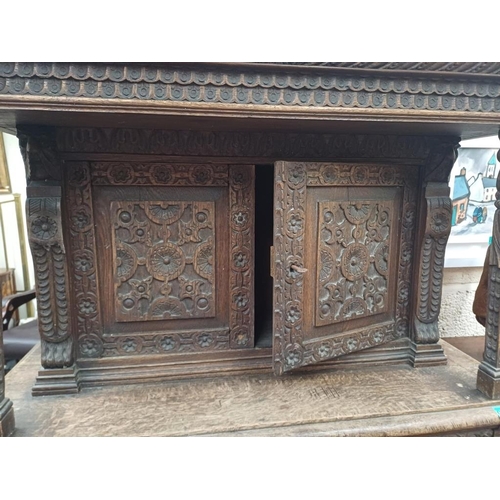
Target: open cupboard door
[{"x": 342, "y": 256}]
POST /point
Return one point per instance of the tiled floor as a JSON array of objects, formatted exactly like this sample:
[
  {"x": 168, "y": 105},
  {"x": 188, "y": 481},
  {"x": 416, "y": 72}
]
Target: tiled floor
[{"x": 473, "y": 346}]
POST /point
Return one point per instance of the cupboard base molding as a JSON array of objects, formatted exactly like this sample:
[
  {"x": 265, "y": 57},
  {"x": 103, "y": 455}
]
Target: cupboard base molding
[{"x": 119, "y": 371}]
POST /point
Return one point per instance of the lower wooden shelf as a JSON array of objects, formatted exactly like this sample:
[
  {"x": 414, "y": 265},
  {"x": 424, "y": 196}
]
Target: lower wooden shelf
[{"x": 342, "y": 401}]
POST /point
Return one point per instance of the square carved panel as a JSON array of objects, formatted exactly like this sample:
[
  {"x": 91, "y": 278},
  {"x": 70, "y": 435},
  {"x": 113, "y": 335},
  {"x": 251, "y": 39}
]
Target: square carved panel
[{"x": 163, "y": 260}]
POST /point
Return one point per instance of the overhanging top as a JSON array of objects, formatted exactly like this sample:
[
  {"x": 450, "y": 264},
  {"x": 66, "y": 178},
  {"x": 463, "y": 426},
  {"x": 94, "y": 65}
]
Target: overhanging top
[{"x": 454, "y": 98}]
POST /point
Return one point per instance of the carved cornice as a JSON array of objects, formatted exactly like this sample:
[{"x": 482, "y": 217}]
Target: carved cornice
[
  {"x": 244, "y": 144},
  {"x": 267, "y": 86}
]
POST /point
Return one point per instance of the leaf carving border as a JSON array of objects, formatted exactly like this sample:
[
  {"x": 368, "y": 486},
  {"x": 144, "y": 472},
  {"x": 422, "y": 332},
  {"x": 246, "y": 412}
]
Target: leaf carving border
[
  {"x": 263, "y": 86},
  {"x": 289, "y": 349}
]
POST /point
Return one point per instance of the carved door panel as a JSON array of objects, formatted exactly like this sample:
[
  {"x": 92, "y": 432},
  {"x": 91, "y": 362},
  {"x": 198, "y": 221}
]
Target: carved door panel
[
  {"x": 343, "y": 254},
  {"x": 174, "y": 252}
]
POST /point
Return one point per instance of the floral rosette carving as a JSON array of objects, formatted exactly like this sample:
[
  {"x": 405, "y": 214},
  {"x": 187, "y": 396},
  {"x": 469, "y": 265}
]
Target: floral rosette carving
[
  {"x": 166, "y": 261},
  {"x": 241, "y": 336},
  {"x": 296, "y": 176},
  {"x": 240, "y": 261},
  {"x": 87, "y": 304},
  {"x": 293, "y": 313},
  {"x": 79, "y": 176},
  {"x": 120, "y": 174},
  {"x": 360, "y": 174},
  {"x": 205, "y": 340},
  {"x": 167, "y": 343},
  {"x": 293, "y": 355},
  {"x": 440, "y": 223},
  {"x": 81, "y": 218},
  {"x": 350, "y": 344},
  {"x": 240, "y": 176},
  {"x": 83, "y": 262},
  {"x": 241, "y": 299},
  {"x": 240, "y": 219},
  {"x": 90, "y": 346},
  {"x": 130, "y": 345},
  {"x": 376, "y": 336},
  {"x": 201, "y": 175},
  {"x": 294, "y": 224},
  {"x": 329, "y": 174},
  {"x": 162, "y": 174},
  {"x": 322, "y": 351},
  {"x": 355, "y": 261},
  {"x": 43, "y": 228}
]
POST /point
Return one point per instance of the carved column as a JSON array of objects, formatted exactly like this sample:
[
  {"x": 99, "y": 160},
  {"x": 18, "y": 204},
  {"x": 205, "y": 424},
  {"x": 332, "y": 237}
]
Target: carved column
[
  {"x": 7, "y": 423},
  {"x": 488, "y": 375},
  {"x": 46, "y": 236},
  {"x": 435, "y": 227}
]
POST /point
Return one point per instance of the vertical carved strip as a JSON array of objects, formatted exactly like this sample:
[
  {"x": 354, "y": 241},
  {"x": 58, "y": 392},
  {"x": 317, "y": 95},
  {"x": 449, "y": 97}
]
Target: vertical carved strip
[
  {"x": 436, "y": 227},
  {"x": 488, "y": 376},
  {"x": 83, "y": 259},
  {"x": 290, "y": 197},
  {"x": 431, "y": 263},
  {"x": 242, "y": 203},
  {"x": 47, "y": 246}
]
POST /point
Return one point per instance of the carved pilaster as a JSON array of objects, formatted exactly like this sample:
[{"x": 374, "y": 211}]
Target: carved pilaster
[
  {"x": 488, "y": 376},
  {"x": 435, "y": 227},
  {"x": 45, "y": 229}
]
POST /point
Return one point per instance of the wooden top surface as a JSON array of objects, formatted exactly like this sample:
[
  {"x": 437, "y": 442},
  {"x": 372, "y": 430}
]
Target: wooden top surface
[{"x": 396, "y": 400}]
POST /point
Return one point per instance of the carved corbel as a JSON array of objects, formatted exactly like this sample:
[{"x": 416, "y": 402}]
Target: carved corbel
[
  {"x": 435, "y": 229},
  {"x": 488, "y": 376},
  {"x": 45, "y": 230}
]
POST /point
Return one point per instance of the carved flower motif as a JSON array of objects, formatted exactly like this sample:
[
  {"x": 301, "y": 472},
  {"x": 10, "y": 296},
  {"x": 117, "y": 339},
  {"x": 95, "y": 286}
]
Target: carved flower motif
[
  {"x": 129, "y": 345},
  {"x": 201, "y": 175},
  {"x": 87, "y": 306},
  {"x": 293, "y": 314},
  {"x": 240, "y": 259},
  {"x": 166, "y": 261},
  {"x": 239, "y": 177},
  {"x": 440, "y": 221},
  {"x": 240, "y": 300},
  {"x": 323, "y": 350},
  {"x": 78, "y": 177},
  {"x": 121, "y": 174},
  {"x": 205, "y": 339},
  {"x": 355, "y": 261},
  {"x": 330, "y": 174},
  {"x": 351, "y": 344},
  {"x": 188, "y": 231},
  {"x": 44, "y": 228},
  {"x": 90, "y": 346},
  {"x": 296, "y": 176},
  {"x": 240, "y": 218},
  {"x": 83, "y": 262},
  {"x": 80, "y": 219},
  {"x": 162, "y": 174},
  {"x": 377, "y": 336},
  {"x": 242, "y": 338},
  {"x": 167, "y": 343},
  {"x": 295, "y": 224},
  {"x": 189, "y": 288},
  {"x": 293, "y": 358}
]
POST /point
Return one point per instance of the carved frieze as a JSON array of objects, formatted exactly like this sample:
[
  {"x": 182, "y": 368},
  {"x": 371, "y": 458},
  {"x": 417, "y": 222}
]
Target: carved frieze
[
  {"x": 264, "y": 86},
  {"x": 164, "y": 256}
]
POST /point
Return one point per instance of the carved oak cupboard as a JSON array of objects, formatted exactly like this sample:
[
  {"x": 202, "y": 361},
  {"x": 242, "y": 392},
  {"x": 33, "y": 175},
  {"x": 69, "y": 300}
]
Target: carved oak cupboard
[{"x": 185, "y": 242}]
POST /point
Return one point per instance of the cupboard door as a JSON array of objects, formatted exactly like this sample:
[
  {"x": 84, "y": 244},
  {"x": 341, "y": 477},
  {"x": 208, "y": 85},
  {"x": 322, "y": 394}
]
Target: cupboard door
[
  {"x": 175, "y": 246},
  {"x": 342, "y": 259}
]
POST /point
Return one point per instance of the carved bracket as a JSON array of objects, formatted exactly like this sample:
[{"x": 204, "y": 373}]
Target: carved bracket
[{"x": 431, "y": 262}]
